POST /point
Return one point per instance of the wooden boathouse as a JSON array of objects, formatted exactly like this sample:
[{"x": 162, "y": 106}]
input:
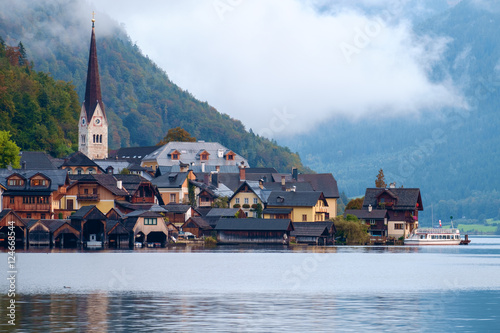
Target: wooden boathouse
[{"x": 254, "y": 231}]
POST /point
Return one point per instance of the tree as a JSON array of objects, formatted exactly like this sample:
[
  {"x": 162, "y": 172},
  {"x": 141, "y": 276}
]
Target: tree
[
  {"x": 9, "y": 151},
  {"x": 380, "y": 181},
  {"x": 355, "y": 203},
  {"x": 177, "y": 134},
  {"x": 221, "y": 202},
  {"x": 351, "y": 231},
  {"x": 191, "y": 195}
]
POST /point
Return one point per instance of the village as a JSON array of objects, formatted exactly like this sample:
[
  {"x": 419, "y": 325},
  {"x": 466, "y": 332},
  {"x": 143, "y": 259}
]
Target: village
[{"x": 177, "y": 192}]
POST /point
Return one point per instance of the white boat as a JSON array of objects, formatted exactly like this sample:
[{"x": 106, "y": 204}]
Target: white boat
[{"x": 434, "y": 236}]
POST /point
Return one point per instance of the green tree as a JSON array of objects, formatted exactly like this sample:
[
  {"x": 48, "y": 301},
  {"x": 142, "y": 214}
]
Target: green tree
[
  {"x": 380, "y": 181},
  {"x": 221, "y": 202},
  {"x": 353, "y": 232},
  {"x": 9, "y": 151},
  {"x": 355, "y": 203},
  {"x": 177, "y": 134},
  {"x": 125, "y": 171},
  {"x": 191, "y": 195}
]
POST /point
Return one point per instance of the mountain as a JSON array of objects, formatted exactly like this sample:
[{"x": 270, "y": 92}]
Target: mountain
[
  {"x": 142, "y": 104},
  {"x": 452, "y": 154}
]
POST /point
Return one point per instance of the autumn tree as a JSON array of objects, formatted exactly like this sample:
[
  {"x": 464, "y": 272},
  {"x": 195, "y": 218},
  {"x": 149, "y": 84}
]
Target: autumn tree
[
  {"x": 351, "y": 231},
  {"x": 178, "y": 134},
  {"x": 9, "y": 151},
  {"x": 355, "y": 203},
  {"x": 380, "y": 181}
]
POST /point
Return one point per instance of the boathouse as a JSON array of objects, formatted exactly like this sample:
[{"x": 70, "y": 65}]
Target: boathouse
[
  {"x": 253, "y": 231},
  {"x": 314, "y": 233}
]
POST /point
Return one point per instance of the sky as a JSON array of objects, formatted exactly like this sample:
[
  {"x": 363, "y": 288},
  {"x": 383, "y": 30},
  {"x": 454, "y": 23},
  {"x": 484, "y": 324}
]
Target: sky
[{"x": 284, "y": 66}]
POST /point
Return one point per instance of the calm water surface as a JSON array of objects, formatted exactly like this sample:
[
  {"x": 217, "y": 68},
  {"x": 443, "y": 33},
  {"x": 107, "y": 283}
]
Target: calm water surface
[{"x": 240, "y": 289}]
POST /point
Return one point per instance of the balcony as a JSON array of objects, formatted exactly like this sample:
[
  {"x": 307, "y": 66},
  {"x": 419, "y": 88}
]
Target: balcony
[{"x": 88, "y": 197}]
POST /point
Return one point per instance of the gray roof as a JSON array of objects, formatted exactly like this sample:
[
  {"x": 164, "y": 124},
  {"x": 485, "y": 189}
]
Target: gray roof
[
  {"x": 277, "y": 211},
  {"x": 117, "y": 165},
  {"x": 313, "y": 229},
  {"x": 200, "y": 222},
  {"x": 294, "y": 199},
  {"x": 134, "y": 154},
  {"x": 79, "y": 159},
  {"x": 254, "y": 186},
  {"x": 36, "y": 160},
  {"x": 322, "y": 182},
  {"x": 176, "y": 208},
  {"x": 107, "y": 181},
  {"x": 252, "y": 224},
  {"x": 222, "y": 212},
  {"x": 170, "y": 180},
  {"x": 57, "y": 178},
  {"x": 190, "y": 151},
  {"x": 407, "y": 198}
]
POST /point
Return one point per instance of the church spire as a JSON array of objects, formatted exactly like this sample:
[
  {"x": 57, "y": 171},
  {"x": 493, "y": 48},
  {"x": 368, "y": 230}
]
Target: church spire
[{"x": 93, "y": 87}]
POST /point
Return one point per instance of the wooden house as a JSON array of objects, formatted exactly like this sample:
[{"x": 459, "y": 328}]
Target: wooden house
[
  {"x": 215, "y": 214},
  {"x": 376, "y": 219},
  {"x": 148, "y": 228},
  {"x": 79, "y": 164},
  {"x": 178, "y": 214},
  {"x": 34, "y": 194},
  {"x": 402, "y": 205},
  {"x": 198, "y": 226},
  {"x": 52, "y": 233},
  {"x": 173, "y": 187},
  {"x": 314, "y": 233},
  {"x": 92, "y": 225},
  {"x": 253, "y": 231},
  {"x": 9, "y": 219}
]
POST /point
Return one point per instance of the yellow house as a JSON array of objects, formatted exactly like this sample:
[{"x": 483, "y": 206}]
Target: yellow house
[
  {"x": 173, "y": 187},
  {"x": 306, "y": 206},
  {"x": 326, "y": 183},
  {"x": 248, "y": 197}
]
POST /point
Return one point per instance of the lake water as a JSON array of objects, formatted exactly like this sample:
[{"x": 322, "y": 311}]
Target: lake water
[{"x": 257, "y": 289}]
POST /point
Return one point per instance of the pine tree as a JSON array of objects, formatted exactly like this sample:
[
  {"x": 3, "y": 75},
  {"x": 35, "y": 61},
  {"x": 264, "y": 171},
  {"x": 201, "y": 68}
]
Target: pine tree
[{"x": 380, "y": 181}]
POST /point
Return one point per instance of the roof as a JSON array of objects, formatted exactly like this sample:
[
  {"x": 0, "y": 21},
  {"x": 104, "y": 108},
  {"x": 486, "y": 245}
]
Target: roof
[
  {"x": 117, "y": 165},
  {"x": 139, "y": 206},
  {"x": 294, "y": 199},
  {"x": 88, "y": 212},
  {"x": 57, "y": 178},
  {"x": 134, "y": 154},
  {"x": 79, "y": 159},
  {"x": 252, "y": 224},
  {"x": 407, "y": 198},
  {"x": 312, "y": 229},
  {"x": 322, "y": 182},
  {"x": 254, "y": 186},
  {"x": 199, "y": 221},
  {"x": 364, "y": 214},
  {"x": 277, "y": 211},
  {"x": 132, "y": 182},
  {"x": 190, "y": 153},
  {"x": 93, "y": 95},
  {"x": 170, "y": 180},
  {"x": 222, "y": 212},
  {"x": 109, "y": 182},
  {"x": 176, "y": 208},
  {"x": 36, "y": 160}
]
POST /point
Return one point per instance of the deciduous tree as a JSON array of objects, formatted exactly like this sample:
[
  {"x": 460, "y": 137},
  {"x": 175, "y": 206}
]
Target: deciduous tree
[
  {"x": 177, "y": 134},
  {"x": 9, "y": 151}
]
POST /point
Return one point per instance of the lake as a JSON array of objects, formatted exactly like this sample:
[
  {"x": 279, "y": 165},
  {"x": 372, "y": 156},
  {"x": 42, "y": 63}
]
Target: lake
[{"x": 260, "y": 289}]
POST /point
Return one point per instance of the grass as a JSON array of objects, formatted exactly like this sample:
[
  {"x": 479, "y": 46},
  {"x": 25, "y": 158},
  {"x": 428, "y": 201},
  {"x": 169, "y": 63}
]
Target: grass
[
  {"x": 491, "y": 221},
  {"x": 479, "y": 228}
]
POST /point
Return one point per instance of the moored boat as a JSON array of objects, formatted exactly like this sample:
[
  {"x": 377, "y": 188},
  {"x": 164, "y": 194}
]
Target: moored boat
[{"x": 434, "y": 236}]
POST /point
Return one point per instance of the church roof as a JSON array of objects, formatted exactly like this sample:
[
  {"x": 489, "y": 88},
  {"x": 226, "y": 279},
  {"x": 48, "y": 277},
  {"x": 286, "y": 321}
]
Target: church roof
[{"x": 93, "y": 88}]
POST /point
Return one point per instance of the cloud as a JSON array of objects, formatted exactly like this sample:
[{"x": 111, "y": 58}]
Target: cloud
[{"x": 282, "y": 66}]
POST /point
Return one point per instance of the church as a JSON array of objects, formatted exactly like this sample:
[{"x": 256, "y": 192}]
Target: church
[{"x": 93, "y": 123}]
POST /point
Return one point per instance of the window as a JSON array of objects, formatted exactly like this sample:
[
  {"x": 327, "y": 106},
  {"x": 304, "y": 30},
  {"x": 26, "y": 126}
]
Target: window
[
  {"x": 28, "y": 215},
  {"x": 204, "y": 157},
  {"x": 79, "y": 171},
  {"x": 175, "y": 156},
  {"x": 11, "y": 200},
  {"x": 91, "y": 171},
  {"x": 373, "y": 222},
  {"x": 398, "y": 226},
  {"x": 246, "y": 200},
  {"x": 39, "y": 182},
  {"x": 230, "y": 157},
  {"x": 172, "y": 197},
  {"x": 304, "y": 217},
  {"x": 16, "y": 182},
  {"x": 83, "y": 139},
  {"x": 150, "y": 221},
  {"x": 42, "y": 216},
  {"x": 237, "y": 200}
]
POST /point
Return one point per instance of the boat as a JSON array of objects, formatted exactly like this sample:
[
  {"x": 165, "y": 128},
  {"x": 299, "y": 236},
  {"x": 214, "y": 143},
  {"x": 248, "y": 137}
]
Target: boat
[{"x": 435, "y": 236}]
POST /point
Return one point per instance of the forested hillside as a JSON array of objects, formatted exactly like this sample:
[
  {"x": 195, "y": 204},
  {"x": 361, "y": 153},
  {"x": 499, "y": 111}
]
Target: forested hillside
[
  {"x": 39, "y": 113},
  {"x": 141, "y": 102},
  {"x": 452, "y": 154}
]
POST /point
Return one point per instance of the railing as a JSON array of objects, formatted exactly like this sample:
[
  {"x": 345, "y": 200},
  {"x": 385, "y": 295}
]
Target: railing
[
  {"x": 88, "y": 197},
  {"x": 436, "y": 231}
]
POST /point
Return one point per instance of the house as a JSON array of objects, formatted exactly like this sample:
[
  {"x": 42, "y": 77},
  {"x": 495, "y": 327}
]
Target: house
[
  {"x": 376, "y": 219},
  {"x": 34, "y": 194},
  {"x": 250, "y": 196},
  {"x": 307, "y": 206},
  {"x": 37, "y": 160},
  {"x": 173, "y": 187},
  {"x": 148, "y": 228},
  {"x": 52, "y": 233},
  {"x": 314, "y": 233},
  {"x": 198, "y": 226},
  {"x": 215, "y": 214},
  {"x": 178, "y": 214},
  {"x": 253, "y": 231},
  {"x": 140, "y": 190},
  {"x": 92, "y": 225},
  {"x": 277, "y": 213},
  {"x": 402, "y": 205},
  {"x": 325, "y": 183},
  {"x": 192, "y": 153},
  {"x": 100, "y": 190},
  {"x": 79, "y": 164},
  {"x": 9, "y": 219},
  {"x": 132, "y": 155}
]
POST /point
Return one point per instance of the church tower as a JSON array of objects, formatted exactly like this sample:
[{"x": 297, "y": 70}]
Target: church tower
[{"x": 93, "y": 125}]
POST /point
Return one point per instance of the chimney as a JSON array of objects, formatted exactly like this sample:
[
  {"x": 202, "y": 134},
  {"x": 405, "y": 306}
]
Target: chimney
[
  {"x": 242, "y": 174},
  {"x": 294, "y": 188},
  {"x": 369, "y": 208},
  {"x": 295, "y": 174},
  {"x": 261, "y": 184},
  {"x": 119, "y": 184},
  {"x": 202, "y": 166},
  {"x": 23, "y": 165},
  {"x": 206, "y": 179},
  {"x": 392, "y": 185},
  {"x": 282, "y": 180},
  {"x": 215, "y": 179}
]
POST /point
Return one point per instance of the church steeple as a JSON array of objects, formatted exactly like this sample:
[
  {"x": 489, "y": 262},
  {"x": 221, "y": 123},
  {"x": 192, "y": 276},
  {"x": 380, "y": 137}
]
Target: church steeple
[
  {"x": 93, "y": 126},
  {"x": 93, "y": 87}
]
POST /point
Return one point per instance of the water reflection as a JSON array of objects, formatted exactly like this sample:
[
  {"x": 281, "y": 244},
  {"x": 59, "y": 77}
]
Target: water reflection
[{"x": 126, "y": 312}]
